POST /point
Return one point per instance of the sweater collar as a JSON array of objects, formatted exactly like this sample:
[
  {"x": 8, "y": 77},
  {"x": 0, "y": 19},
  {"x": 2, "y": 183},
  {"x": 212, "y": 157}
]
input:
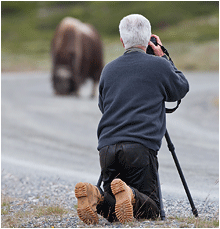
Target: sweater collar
[{"x": 134, "y": 49}]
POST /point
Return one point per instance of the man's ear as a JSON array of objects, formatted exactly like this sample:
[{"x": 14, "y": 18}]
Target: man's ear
[{"x": 122, "y": 42}]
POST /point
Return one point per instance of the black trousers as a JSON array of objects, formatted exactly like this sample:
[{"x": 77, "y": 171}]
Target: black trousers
[{"x": 137, "y": 166}]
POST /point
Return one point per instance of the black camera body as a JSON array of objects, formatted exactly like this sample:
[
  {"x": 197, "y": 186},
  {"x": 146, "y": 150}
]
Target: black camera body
[{"x": 149, "y": 49}]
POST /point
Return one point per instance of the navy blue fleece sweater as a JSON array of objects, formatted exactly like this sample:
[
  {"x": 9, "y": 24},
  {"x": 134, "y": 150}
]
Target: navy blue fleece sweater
[{"x": 132, "y": 93}]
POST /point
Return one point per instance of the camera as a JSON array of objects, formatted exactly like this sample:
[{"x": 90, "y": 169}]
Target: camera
[{"x": 149, "y": 49}]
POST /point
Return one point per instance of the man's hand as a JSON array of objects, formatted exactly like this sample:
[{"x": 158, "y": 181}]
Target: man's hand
[{"x": 157, "y": 49}]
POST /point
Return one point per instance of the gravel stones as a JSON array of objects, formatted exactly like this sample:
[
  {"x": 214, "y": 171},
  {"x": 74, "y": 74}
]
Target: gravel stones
[{"x": 28, "y": 196}]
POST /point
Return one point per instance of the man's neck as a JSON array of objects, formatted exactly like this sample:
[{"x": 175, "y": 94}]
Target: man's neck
[
  {"x": 136, "y": 48},
  {"x": 141, "y": 47}
]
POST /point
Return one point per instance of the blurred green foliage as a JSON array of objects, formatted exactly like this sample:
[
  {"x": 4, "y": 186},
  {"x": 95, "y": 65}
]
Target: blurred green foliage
[
  {"x": 27, "y": 27},
  {"x": 105, "y": 15}
]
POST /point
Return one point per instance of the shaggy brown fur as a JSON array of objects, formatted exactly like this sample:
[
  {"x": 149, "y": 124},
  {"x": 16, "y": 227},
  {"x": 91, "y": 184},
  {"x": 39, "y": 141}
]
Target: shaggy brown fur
[{"x": 77, "y": 55}]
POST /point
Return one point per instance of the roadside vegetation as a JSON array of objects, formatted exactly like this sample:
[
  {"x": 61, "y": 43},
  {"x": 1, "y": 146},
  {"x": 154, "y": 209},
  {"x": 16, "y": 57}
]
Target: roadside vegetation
[
  {"x": 14, "y": 215},
  {"x": 189, "y": 30}
]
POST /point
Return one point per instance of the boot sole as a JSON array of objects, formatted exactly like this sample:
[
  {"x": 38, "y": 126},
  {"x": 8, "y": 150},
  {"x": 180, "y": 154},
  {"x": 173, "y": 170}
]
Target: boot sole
[
  {"x": 123, "y": 206},
  {"x": 85, "y": 212}
]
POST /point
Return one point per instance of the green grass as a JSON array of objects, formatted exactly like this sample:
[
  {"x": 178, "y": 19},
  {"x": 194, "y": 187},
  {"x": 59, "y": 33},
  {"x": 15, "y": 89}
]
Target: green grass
[
  {"x": 199, "y": 30},
  {"x": 105, "y": 15},
  {"x": 36, "y": 213},
  {"x": 11, "y": 219},
  {"x": 190, "y": 30},
  {"x": 186, "y": 56},
  {"x": 197, "y": 222}
]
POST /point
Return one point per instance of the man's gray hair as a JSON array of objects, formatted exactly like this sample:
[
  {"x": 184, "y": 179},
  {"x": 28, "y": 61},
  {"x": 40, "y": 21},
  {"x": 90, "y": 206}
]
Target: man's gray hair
[{"x": 134, "y": 30}]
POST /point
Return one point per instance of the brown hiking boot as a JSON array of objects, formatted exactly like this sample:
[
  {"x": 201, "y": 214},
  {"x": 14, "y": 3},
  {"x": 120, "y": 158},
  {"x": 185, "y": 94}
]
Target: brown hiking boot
[
  {"x": 124, "y": 200},
  {"x": 88, "y": 197}
]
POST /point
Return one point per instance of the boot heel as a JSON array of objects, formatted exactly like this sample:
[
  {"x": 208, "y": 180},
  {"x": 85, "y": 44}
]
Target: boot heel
[
  {"x": 123, "y": 206},
  {"x": 117, "y": 186},
  {"x": 80, "y": 190},
  {"x": 87, "y": 215}
]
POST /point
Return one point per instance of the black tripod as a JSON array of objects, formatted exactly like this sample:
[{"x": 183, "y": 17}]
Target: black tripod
[{"x": 172, "y": 150}]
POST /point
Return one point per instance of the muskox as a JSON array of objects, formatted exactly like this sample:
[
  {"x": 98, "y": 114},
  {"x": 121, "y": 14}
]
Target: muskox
[{"x": 77, "y": 55}]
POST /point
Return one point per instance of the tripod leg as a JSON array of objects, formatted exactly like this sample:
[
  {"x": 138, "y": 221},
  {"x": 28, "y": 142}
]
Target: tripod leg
[
  {"x": 99, "y": 181},
  {"x": 172, "y": 150},
  {"x": 162, "y": 212}
]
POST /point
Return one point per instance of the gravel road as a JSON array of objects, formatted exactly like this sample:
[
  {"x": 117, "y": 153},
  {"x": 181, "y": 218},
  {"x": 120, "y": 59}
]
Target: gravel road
[{"x": 49, "y": 144}]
